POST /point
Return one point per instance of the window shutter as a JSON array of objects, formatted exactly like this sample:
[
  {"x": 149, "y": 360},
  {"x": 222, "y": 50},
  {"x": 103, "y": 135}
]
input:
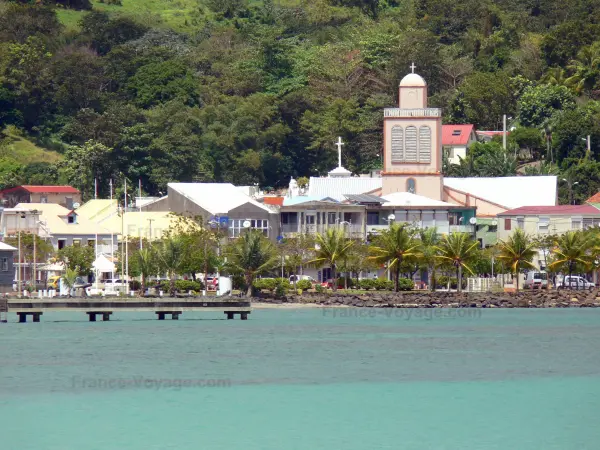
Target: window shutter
[
  {"x": 424, "y": 144},
  {"x": 397, "y": 144},
  {"x": 411, "y": 144}
]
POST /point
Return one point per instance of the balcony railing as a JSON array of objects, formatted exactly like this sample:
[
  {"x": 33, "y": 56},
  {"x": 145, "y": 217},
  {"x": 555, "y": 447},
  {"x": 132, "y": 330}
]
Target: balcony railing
[
  {"x": 404, "y": 112},
  {"x": 462, "y": 228},
  {"x": 351, "y": 230}
]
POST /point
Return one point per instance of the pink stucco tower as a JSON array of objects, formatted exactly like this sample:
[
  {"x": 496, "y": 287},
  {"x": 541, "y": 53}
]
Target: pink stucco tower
[{"x": 412, "y": 142}]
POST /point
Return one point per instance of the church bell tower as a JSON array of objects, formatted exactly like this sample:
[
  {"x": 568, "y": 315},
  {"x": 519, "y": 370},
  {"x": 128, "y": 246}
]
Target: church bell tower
[{"x": 412, "y": 142}]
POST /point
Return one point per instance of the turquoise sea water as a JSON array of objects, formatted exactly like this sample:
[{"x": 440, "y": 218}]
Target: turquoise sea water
[{"x": 303, "y": 379}]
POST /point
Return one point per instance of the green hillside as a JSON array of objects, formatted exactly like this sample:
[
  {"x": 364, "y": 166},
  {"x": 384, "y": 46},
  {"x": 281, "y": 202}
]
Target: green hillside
[
  {"x": 24, "y": 151},
  {"x": 176, "y": 14},
  {"x": 255, "y": 92}
]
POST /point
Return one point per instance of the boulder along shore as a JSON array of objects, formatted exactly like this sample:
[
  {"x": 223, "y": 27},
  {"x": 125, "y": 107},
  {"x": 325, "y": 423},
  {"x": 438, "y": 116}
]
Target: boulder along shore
[{"x": 522, "y": 299}]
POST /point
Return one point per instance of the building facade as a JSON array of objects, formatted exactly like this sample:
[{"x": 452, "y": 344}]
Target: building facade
[{"x": 66, "y": 196}]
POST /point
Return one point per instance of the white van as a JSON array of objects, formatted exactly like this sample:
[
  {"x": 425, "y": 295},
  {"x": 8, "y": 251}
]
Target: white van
[
  {"x": 575, "y": 282},
  {"x": 536, "y": 280}
]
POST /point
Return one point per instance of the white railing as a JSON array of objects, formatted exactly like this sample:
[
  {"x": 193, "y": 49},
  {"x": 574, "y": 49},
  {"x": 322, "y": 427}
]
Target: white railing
[
  {"x": 462, "y": 228},
  {"x": 419, "y": 112}
]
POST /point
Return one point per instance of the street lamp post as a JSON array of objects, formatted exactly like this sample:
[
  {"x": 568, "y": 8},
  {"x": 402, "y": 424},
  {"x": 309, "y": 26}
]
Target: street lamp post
[{"x": 570, "y": 187}]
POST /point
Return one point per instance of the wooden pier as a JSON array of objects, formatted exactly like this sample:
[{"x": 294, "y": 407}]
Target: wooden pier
[{"x": 104, "y": 308}]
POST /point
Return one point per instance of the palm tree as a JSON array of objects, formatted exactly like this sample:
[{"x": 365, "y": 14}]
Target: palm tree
[
  {"x": 146, "y": 261},
  {"x": 585, "y": 68},
  {"x": 331, "y": 248},
  {"x": 517, "y": 252},
  {"x": 458, "y": 249},
  {"x": 171, "y": 257},
  {"x": 571, "y": 249},
  {"x": 428, "y": 252},
  {"x": 556, "y": 76},
  {"x": 394, "y": 246},
  {"x": 70, "y": 278},
  {"x": 251, "y": 254}
]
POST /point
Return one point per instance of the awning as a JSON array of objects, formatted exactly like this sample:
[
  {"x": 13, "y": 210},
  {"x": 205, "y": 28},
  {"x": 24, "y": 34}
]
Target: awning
[{"x": 102, "y": 264}]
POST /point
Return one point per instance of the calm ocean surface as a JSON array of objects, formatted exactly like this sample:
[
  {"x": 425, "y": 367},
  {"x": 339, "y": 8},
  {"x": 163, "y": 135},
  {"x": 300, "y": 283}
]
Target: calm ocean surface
[{"x": 303, "y": 379}]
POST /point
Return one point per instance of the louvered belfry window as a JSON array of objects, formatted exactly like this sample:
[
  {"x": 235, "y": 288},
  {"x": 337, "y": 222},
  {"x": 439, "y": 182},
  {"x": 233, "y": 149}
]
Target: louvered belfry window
[
  {"x": 397, "y": 144},
  {"x": 411, "y": 144},
  {"x": 424, "y": 144}
]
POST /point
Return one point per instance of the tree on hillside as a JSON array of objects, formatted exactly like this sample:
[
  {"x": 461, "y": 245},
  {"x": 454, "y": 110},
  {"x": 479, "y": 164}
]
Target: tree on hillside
[
  {"x": 540, "y": 103},
  {"x": 517, "y": 252}
]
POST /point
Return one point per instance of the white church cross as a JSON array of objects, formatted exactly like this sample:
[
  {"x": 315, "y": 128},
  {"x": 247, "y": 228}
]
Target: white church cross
[
  {"x": 413, "y": 67},
  {"x": 339, "y": 144}
]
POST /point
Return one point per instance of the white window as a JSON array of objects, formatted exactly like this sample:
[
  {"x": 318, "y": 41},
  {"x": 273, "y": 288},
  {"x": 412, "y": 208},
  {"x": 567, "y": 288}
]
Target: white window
[
  {"x": 424, "y": 144},
  {"x": 543, "y": 224},
  {"x": 237, "y": 228},
  {"x": 410, "y": 142},
  {"x": 397, "y": 144},
  {"x": 588, "y": 222},
  {"x": 575, "y": 223},
  {"x": 521, "y": 222}
]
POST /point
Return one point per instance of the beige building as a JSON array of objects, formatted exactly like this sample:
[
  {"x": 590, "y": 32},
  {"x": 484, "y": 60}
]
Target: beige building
[{"x": 540, "y": 221}]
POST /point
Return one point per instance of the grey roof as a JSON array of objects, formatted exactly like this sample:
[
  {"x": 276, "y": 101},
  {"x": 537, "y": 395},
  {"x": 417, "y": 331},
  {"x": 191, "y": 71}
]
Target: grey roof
[
  {"x": 365, "y": 198},
  {"x": 336, "y": 188}
]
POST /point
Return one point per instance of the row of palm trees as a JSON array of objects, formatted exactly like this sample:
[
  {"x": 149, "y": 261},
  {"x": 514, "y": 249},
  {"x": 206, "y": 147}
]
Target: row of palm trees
[{"x": 401, "y": 249}]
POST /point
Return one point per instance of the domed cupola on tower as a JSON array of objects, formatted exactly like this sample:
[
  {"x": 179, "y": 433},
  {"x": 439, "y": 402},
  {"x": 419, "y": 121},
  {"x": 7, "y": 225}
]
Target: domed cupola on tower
[{"x": 412, "y": 91}]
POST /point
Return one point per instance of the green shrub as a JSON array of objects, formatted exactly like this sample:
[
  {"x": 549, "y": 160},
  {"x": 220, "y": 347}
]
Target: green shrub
[
  {"x": 182, "y": 286},
  {"x": 304, "y": 285},
  {"x": 284, "y": 283},
  {"x": 382, "y": 284},
  {"x": 320, "y": 289},
  {"x": 268, "y": 284},
  {"x": 367, "y": 283},
  {"x": 405, "y": 284},
  {"x": 280, "y": 290}
]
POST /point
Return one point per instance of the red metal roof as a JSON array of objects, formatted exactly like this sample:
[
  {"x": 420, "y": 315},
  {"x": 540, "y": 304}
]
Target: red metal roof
[
  {"x": 456, "y": 134},
  {"x": 276, "y": 201},
  {"x": 566, "y": 210},
  {"x": 42, "y": 189}
]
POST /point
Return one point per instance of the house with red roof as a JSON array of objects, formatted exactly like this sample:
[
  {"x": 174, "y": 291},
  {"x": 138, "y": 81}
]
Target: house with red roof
[
  {"x": 455, "y": 141},
  {"x": 65, "y": 196}
]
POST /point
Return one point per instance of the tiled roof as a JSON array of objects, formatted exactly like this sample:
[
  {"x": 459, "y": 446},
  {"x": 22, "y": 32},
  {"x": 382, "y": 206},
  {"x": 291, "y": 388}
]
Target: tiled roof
[
  {"x": 43, "y": 189},
  {"x": 275, "y": 201},
  {"x": 594, "y": 198},
  {"x": 565, "y": 210},
  {"x": 456, "y": 134}
]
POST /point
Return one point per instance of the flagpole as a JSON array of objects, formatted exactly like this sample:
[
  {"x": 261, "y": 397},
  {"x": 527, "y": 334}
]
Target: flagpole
[
  {"x": 96, "y": 240},
  {"x": 140, "y": 210},
  {"x": 126, "y": 244},
  {"x": 112, "y": 238}
]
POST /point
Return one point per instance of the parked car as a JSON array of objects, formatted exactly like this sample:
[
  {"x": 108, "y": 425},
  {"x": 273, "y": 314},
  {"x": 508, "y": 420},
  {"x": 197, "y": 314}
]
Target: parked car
[
  {"x": 81, "y": 283},
  {"x": 536, "y": 280},
  {"x": 575, "y": 282}
]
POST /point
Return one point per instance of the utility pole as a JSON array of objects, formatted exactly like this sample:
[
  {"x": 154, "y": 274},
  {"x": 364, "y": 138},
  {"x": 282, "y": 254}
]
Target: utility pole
[{"x": 504, "y": 131}]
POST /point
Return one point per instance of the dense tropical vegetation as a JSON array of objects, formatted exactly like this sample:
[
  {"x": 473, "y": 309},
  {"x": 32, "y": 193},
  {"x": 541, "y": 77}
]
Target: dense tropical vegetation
[{"x": 257, "y": 91}]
